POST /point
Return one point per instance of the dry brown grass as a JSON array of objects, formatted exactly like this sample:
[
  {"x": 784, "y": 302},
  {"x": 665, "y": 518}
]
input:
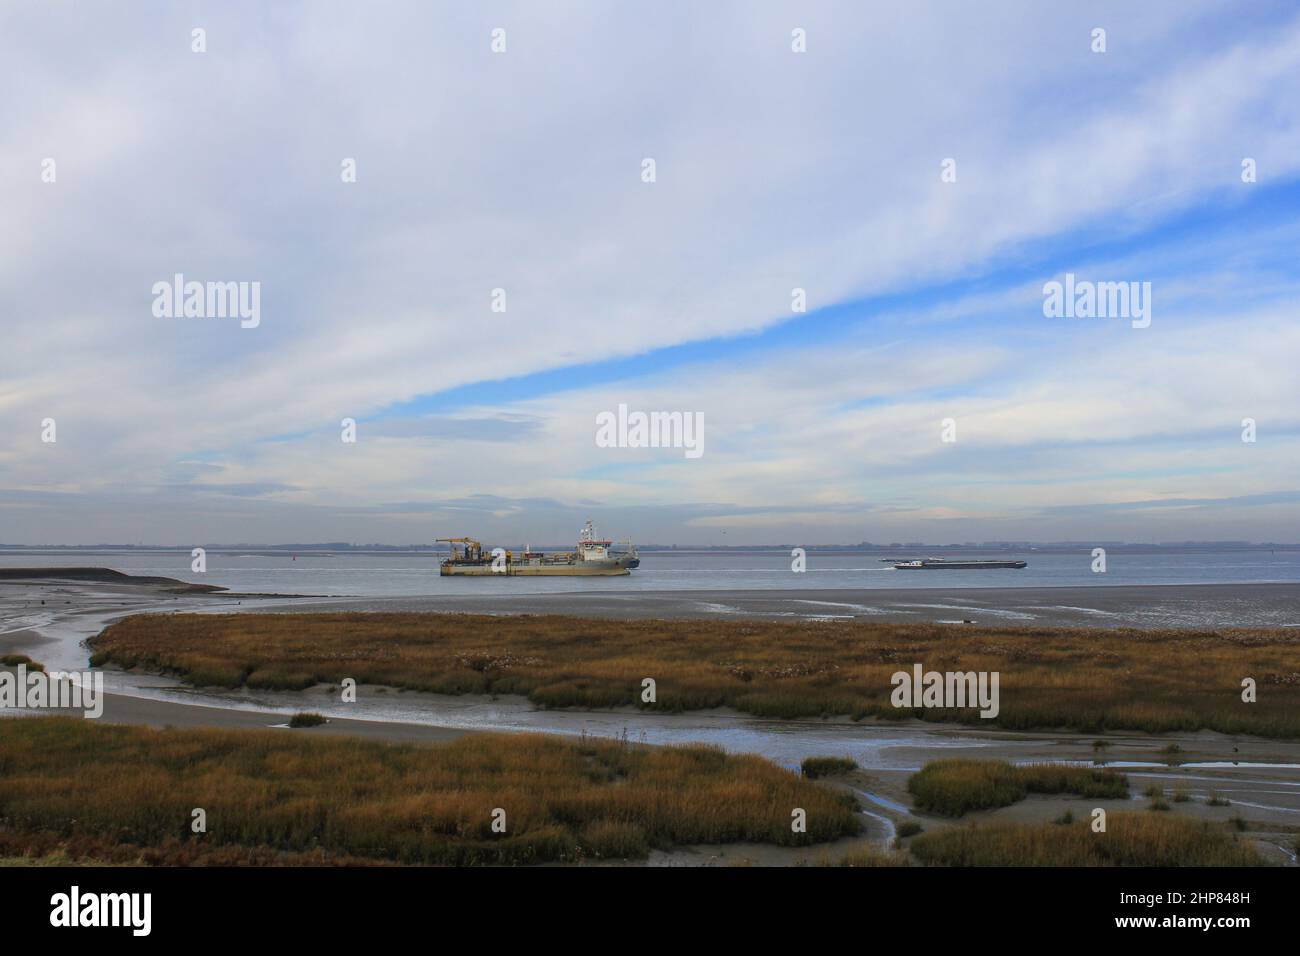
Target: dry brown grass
[
  {"x": 1090, "y": 680},
  {"x": 866, "y": 856},
  {"x": 1131, "y": 839},
  {"x": 125, "y": 794}
]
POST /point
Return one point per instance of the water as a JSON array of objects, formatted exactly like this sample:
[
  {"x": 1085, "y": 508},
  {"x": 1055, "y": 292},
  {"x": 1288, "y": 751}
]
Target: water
[
  {"x": 411, "y": 574},
  {"x": 785, "y": 742}
]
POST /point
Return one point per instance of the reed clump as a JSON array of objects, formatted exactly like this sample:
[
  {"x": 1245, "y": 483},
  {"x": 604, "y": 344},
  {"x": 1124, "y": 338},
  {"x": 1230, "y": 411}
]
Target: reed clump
[
  {"x": 814, "y": 767},
  {"x": 953, "y": 787},
  {"x": 16, "y": 660},
  {"x": 1130, "y": 839},
  {"x": 306, "y": 719},
  {"x": 867, "y": 856}
]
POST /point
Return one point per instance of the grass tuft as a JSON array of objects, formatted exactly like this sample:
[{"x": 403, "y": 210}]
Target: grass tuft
[
  {"x": 306, "y": 720},
  {"x": 815, "y": 767},
  {"x": 867, "y": 856}
]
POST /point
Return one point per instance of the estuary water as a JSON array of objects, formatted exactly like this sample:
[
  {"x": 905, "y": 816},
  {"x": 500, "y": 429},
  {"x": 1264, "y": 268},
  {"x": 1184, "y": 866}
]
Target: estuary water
[{"x": 415, "y": 574}]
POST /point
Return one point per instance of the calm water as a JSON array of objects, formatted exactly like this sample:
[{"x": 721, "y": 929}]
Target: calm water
[{"x": 416, "y": 574}]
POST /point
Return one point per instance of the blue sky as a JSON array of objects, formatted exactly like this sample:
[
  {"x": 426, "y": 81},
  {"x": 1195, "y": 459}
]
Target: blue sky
[
  {"x": 775, "y": 170},
  {"x": 1182, "y": 236}
]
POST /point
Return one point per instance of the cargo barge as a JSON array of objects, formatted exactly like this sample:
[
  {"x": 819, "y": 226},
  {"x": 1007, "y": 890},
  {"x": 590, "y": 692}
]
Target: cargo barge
[
  {"x": 934, "y": 564},
  {"x": 592, "y": 557}
]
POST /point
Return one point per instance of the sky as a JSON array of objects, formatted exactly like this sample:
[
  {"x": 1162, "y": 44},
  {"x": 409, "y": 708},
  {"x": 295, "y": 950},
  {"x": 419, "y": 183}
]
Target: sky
[{"x": 920, "y": 170}]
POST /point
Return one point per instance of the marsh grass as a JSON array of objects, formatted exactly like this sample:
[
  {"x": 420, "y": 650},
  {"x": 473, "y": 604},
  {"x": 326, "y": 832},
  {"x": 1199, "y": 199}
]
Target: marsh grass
[
  {"x": 867, "y": 855},
  {"x": 126, "y": 793},
  {"x": 814, "y": 767},
  {"x": 1092, "y": 681},
  {"x": 1131, "y": 839},
  {"x": 953, "y": 787},
  {"x": 609, "y": 840},
  {"x": 306, "y": 719},
  {"x": 57, "y": 857}
]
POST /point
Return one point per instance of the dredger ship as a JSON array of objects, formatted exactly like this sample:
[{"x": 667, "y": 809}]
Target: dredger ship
[{"x": 594, "y": 556}]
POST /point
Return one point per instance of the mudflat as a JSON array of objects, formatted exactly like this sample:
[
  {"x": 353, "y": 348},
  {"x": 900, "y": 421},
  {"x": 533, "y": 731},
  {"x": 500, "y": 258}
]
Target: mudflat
[
  {"x": 1173, "y": 605},
  {"x": 103, "y": 576}
]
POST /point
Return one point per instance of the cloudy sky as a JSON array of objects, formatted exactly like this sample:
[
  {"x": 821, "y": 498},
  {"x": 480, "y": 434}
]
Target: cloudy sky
[{"x": 522, "y": 170}]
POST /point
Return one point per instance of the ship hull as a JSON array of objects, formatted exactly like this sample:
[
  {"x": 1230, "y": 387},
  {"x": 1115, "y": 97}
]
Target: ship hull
[
  {"x": 538, "y": 571},
  {"x": 961, "y": 566}
]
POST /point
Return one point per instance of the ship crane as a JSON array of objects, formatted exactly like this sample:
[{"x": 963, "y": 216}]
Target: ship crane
[{"x": 473, "y": 547}]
